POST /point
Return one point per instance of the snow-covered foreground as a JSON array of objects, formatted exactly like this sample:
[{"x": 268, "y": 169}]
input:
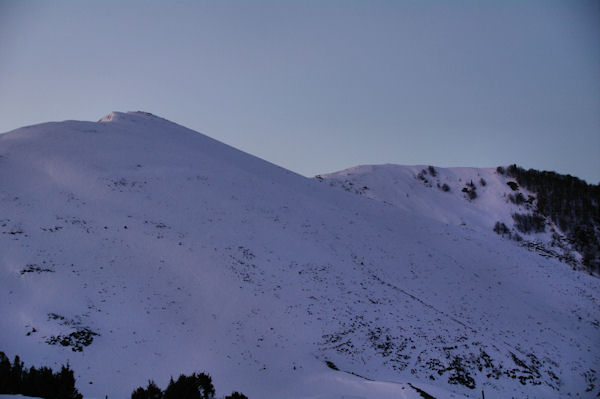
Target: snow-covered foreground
[
  {"x": 137, "y": 249},
  {"x": 14, "y": 397}
]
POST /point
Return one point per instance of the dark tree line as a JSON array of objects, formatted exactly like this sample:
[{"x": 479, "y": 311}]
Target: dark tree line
[
  {"x": 42, "y": 382},
  {"x": 195, "y": 386},
  {"x": 571, "y": 203}
]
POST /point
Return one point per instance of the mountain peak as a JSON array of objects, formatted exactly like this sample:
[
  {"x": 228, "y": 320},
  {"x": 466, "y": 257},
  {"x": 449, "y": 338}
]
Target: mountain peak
[{"x": 119, "y": 116}]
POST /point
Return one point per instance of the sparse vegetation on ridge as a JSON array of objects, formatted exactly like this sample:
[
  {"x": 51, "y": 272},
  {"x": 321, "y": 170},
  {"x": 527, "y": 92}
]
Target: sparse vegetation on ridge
[{"x": 572, "y": 204}]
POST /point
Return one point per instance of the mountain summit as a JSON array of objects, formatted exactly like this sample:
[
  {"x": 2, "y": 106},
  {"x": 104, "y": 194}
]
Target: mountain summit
[{"x": 137, "y": 249}]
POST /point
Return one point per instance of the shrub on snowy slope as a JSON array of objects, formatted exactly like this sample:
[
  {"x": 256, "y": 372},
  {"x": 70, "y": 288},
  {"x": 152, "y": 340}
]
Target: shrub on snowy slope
[{"x": 526, "y": 223}]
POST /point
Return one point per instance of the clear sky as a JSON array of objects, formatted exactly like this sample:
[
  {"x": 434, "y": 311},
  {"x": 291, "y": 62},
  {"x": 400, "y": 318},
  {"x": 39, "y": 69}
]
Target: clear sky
[{"x": 318, "y": 86}]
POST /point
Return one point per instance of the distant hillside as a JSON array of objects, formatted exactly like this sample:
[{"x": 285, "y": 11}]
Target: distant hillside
[{"x": 553, "y": 215}]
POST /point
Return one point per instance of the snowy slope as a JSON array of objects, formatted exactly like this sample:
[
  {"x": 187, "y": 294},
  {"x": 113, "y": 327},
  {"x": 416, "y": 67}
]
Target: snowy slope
[{"x": 183, "y": 254}]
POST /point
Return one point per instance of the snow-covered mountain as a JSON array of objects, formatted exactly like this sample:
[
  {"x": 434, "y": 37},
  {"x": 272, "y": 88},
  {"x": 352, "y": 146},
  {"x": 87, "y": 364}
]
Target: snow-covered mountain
[{"x": 137, "y": 249}]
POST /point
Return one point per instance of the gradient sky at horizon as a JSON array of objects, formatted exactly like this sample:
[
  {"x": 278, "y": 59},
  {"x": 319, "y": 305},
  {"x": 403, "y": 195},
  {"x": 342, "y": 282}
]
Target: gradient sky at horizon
[{"x": 319, "y": 86}]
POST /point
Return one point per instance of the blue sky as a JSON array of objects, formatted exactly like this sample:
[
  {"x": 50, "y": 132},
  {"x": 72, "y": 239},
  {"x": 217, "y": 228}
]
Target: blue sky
[{"x": 318, "y": 86}]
